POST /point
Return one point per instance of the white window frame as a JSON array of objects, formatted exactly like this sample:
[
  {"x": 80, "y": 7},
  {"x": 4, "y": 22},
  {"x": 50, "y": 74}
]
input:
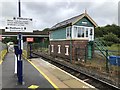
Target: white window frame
[
  {"x": 52, "y": 48},
  {"x": 67, "y": 50},
  {"x": 69, "y": 32},
  {"x": 91, "y": 37},
  {"x": 75, "y": 36},
  {"x": 59, "y": 46}
]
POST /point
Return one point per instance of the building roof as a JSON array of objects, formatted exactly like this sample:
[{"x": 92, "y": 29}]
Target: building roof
[{"x": 73, "y": 20}]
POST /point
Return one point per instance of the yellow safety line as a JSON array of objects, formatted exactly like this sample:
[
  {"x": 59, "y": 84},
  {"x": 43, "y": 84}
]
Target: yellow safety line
[
  {"x": 1, "y": 61},
  {"x": 44, "y": 75},
  {"x": 3, "y": 53}
]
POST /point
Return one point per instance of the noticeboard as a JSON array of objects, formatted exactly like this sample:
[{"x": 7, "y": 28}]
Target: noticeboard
[{"x": 18, "y": 24}]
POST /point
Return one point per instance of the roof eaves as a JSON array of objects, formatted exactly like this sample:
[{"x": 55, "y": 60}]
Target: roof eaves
[
  {"x": 78, "y": 19},
  {"x": 95, "y": 24},
  {"x": 85, "y": 14}
]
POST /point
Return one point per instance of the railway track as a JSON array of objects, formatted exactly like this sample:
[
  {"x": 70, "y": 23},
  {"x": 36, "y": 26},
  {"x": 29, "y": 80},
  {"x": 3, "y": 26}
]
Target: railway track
[{"x": 83, "y": 75}]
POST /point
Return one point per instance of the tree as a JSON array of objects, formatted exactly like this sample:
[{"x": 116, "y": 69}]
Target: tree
[
  {"x": 46, "y": 29},
  {"x": 100, "y": 31},
  {"x": 9, "y": 39}
]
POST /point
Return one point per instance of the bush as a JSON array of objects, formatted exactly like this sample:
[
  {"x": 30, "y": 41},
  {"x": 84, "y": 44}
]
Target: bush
[
  {"x": 100, "y": 31},
  {"x": 109, "y": 43},
  {"x": 111, "y": 38}
]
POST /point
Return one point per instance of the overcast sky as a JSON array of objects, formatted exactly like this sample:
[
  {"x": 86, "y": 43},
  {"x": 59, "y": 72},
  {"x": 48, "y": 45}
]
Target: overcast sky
[{"x": 46, "y": 13}]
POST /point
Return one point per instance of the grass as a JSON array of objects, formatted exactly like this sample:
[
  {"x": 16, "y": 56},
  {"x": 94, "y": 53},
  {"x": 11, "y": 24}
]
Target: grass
[{"x": 115, "y": 47}]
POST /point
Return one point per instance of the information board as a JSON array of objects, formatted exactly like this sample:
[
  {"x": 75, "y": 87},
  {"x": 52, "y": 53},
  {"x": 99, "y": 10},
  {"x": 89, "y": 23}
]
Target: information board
[{"x": 19, "y": 24}]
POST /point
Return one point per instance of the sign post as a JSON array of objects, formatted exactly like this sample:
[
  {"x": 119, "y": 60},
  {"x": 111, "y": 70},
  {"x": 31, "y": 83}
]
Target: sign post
[
  {"x": 20, "y": 65},
  {"x": 19, "y": 24}
]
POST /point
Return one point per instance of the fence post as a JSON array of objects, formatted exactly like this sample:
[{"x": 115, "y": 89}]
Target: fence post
[
  {"x": 107, "y": 68},
  {"x": 30, "y": 50}
]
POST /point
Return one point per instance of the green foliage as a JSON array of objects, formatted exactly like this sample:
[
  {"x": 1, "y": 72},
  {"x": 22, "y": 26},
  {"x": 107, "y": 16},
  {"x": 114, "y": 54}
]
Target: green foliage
[
  {"x": 46, "y": 29},
  {"x": 110, "y": 34},
  {"x": 9, "y": 39},
  {"x": 114, "y": 47},
  {"x": 100, "y": 31},
  {"x": 110, "y": 37}
]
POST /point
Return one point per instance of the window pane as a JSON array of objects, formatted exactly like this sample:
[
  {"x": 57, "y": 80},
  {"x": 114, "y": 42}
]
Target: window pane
[
  {"x": 82, "y": 32},
  {"x": 75, "y": 31},
  {"x": 86, "y": 32},
  {"x": 79, "y": 32},
  {"x": 70, "y": 31},
  {"x": 68, "y": 35},
  {"x": 67, "y": 32},
  {"x": 90, "y": 31}
]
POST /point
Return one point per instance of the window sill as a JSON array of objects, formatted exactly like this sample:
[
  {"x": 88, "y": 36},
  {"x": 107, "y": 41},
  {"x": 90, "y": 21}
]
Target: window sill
[{"x": 66, "y": 54}]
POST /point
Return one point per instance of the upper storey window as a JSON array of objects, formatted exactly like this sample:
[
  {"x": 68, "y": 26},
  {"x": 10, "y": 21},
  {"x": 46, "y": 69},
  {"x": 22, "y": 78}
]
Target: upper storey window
[
  {"x": 83, "y": 32},
  {"x": 68, "y": 32}
]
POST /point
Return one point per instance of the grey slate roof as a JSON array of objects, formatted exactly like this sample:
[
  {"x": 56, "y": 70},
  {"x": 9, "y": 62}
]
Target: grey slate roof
[
  {"x": 73, "y": 20},
  {"x": 68, "y": 21}
]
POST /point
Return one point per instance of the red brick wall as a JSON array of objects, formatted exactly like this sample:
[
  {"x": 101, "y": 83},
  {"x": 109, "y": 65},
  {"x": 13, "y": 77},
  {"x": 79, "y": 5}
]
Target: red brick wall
[{"x": 75, "y": 44}]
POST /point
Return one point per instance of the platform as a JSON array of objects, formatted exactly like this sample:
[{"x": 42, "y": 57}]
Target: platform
[
  {"x": 40, "y": 73},
  {"x": 61, "y": 78},
  {"x": 31, "y": 75}
]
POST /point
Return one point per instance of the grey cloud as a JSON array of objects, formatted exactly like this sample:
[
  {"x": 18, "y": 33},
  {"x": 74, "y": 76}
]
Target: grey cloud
[
  {"x": 52, "y": 14},
  {"x": 119, "y": 13},
  {"x": 9, "y": 9},
  {"x": 45, "y": 14},
  {"x": 105, "y": 13}
]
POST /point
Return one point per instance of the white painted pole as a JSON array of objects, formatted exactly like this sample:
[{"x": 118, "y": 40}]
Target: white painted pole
[
  {"x": 22, "y": 44},
  {"x": 15, "y": 65}
]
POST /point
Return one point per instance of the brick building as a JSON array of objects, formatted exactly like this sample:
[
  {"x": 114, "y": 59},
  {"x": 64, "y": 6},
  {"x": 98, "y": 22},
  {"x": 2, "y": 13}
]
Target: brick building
[{"x": 72, "y": 39}]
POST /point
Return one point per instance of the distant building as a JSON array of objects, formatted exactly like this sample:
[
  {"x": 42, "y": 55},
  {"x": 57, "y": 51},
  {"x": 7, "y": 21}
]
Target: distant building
[{"x": 71, "y": 39}]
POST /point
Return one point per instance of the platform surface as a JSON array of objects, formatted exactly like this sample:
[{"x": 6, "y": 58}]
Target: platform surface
[
  {"x": 61, "y": 78},
  {"x": 31, "y": 76}
]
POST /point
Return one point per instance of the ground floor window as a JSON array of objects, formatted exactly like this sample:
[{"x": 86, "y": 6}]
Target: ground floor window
[
  {"x": 52, "y": 48},
  {"x": 59, "y": 48},
  {"x": 66, "y": 50}
]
